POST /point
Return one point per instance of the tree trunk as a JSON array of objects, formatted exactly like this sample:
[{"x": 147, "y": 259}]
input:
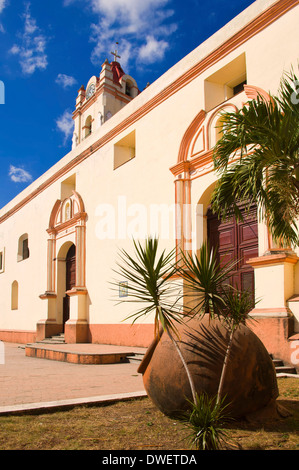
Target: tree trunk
[
  {"x": 224, "y": 367},
  {"x": 191, "y": 382}
]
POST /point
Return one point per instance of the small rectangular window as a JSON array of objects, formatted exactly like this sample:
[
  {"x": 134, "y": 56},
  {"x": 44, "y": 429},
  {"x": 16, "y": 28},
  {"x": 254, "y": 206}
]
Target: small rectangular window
[
  {"x": 25, "y": 249},
  {"x": 225, "y": 82},
  {"x": 239, "y": 88},
  {"x": 67, "y": 187},
  {"x": 2, "y": 258},
  {"x": 124, "y": 150},
  {"x": 15, "y": 296}
]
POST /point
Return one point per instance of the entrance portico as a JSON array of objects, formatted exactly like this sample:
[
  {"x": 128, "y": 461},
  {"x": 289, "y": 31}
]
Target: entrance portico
[{"x": 65, "y": 308}]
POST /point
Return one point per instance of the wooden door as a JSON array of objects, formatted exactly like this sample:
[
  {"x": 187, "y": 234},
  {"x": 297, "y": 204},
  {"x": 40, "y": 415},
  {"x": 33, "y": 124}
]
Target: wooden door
[
  {"x": 70, "y": 273},
  {"x": 71, "y": 268},
  {"x": 236, "y": 241}
]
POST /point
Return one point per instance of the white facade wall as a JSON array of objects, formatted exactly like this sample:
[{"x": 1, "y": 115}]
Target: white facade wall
[{"x": 144, "y": 181}]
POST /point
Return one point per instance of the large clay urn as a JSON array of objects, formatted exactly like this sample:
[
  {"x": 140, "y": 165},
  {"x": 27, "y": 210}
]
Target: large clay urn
[{"x": 250, "y": 380}]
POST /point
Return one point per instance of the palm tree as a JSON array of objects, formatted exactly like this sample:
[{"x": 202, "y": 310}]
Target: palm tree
[
  {"x": 150, "y": 282},
  {"x": 257, "y": 159}
]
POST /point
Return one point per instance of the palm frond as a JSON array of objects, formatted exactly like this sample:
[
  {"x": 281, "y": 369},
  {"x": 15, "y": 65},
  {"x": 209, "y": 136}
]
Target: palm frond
[
  {"x": 257, "y": 159},
  {"x": 206, "y": 279},
  {"x": 238, "y": 305}
]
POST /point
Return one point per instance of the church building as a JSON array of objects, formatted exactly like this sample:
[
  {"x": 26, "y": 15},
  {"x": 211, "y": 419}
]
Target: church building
[{"x": 140, "y": 164}]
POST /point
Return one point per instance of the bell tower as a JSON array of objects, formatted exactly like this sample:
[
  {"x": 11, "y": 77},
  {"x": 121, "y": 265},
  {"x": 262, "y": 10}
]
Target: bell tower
[{"x": 102, "y": 97}]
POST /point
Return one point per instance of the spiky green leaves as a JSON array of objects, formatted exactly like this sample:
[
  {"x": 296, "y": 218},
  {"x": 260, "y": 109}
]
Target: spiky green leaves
[
  {"x": 206, "y": 280},
  {"x": 206, "y": 422},
  {"x": 257, "y": 159},
  {"x": 149, "y": 275}
]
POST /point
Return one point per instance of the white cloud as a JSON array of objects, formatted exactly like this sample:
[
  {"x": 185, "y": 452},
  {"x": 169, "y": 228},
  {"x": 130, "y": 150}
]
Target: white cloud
[
  {"x": 32, "y": 46},
  {"x": 2, "y": 5},
  {"x": 153, "y": 50},
  {"x": 15, "y": 49},
  {"x": 65, "y": 124},
  {"x": 19, "y": 175},
  {"x": 130, "y": 12},
  {"x": 65, "y": 80},
  {"x": 131, "y": 23}
]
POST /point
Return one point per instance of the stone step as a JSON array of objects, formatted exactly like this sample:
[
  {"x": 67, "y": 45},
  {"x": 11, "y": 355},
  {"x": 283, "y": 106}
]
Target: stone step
[
  {"x": 277, "y": 363},
  {"x": 50, "y": 341},
  {"x": 285, "y": 370},
  {"x": 55, "y": 339},
  {"x": 69, "y": 353},
  {"x": 135, "y": 358},
  {"x": 58, "y": 338},
  {"x": 284, "y": 375},
  {"x": 282, "y": 370}
]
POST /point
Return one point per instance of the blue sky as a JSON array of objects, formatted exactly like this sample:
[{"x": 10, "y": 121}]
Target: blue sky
[{"x": 48, "y": 49}]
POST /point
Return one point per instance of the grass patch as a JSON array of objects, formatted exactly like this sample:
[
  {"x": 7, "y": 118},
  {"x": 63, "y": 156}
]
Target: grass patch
[{"x": 138, "y": 425}]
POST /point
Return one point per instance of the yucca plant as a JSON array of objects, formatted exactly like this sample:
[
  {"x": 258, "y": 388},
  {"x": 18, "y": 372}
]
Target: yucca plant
[
  {"x": 210, "y": 283},
  {"x": 206, "y": 280},
  {"x": 206, "y": 421},
  {"x": 148, "y": 279},
  {"x": 150, "y": 283}
]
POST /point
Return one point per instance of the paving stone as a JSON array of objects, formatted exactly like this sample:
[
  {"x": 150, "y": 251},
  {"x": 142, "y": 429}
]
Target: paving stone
[{"x": 26, "y": 381}]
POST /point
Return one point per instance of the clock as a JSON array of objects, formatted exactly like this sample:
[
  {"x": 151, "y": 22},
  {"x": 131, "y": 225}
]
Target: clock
[{"x": 90, "y": 91}]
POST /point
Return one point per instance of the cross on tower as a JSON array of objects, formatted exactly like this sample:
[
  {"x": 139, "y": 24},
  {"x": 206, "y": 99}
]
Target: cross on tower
[{"x": 115, "y": 54}]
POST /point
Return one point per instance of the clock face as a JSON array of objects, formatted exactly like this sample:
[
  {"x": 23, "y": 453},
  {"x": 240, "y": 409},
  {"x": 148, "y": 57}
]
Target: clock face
[{"x": 90, "y": 91}]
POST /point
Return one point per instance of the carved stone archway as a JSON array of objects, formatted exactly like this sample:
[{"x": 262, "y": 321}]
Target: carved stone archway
[
  {"x": 195, "y": 159},
  {"x": 67, "y": 224}
]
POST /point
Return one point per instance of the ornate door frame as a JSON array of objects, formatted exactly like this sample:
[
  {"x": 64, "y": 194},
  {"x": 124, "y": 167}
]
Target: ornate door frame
[{"x": 67, "y": 223}]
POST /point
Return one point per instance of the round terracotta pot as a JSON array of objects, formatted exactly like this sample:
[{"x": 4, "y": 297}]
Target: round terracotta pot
[{"x": 250, "y": 380}]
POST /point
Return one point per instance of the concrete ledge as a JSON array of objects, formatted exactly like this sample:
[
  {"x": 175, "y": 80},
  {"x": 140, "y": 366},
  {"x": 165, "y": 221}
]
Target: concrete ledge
[
  {"x": 66, "y": 404},
  {"x": 75, "y": 357},
  {"x": 285, "y": 375}
]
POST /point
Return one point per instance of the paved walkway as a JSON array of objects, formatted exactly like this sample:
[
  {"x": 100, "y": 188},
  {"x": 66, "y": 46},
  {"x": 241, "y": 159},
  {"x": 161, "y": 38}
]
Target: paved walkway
[{"x": 28, "y": 383}]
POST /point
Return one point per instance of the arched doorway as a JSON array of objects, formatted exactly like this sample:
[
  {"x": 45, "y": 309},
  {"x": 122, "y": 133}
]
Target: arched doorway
[
  {"x": 70, "y": 281},
  {"x": 66, "y": 255},
  {"x": 236, "y": 241}
]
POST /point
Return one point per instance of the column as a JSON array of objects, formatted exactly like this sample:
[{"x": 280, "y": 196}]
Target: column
[
  {"x": 47, "y": 326},
  {"x": 183, "y": 214},
  {"x": 80, "y": 256},
  {"x": 76, "y": 328},
  {"x": 51, "y": 265}
]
